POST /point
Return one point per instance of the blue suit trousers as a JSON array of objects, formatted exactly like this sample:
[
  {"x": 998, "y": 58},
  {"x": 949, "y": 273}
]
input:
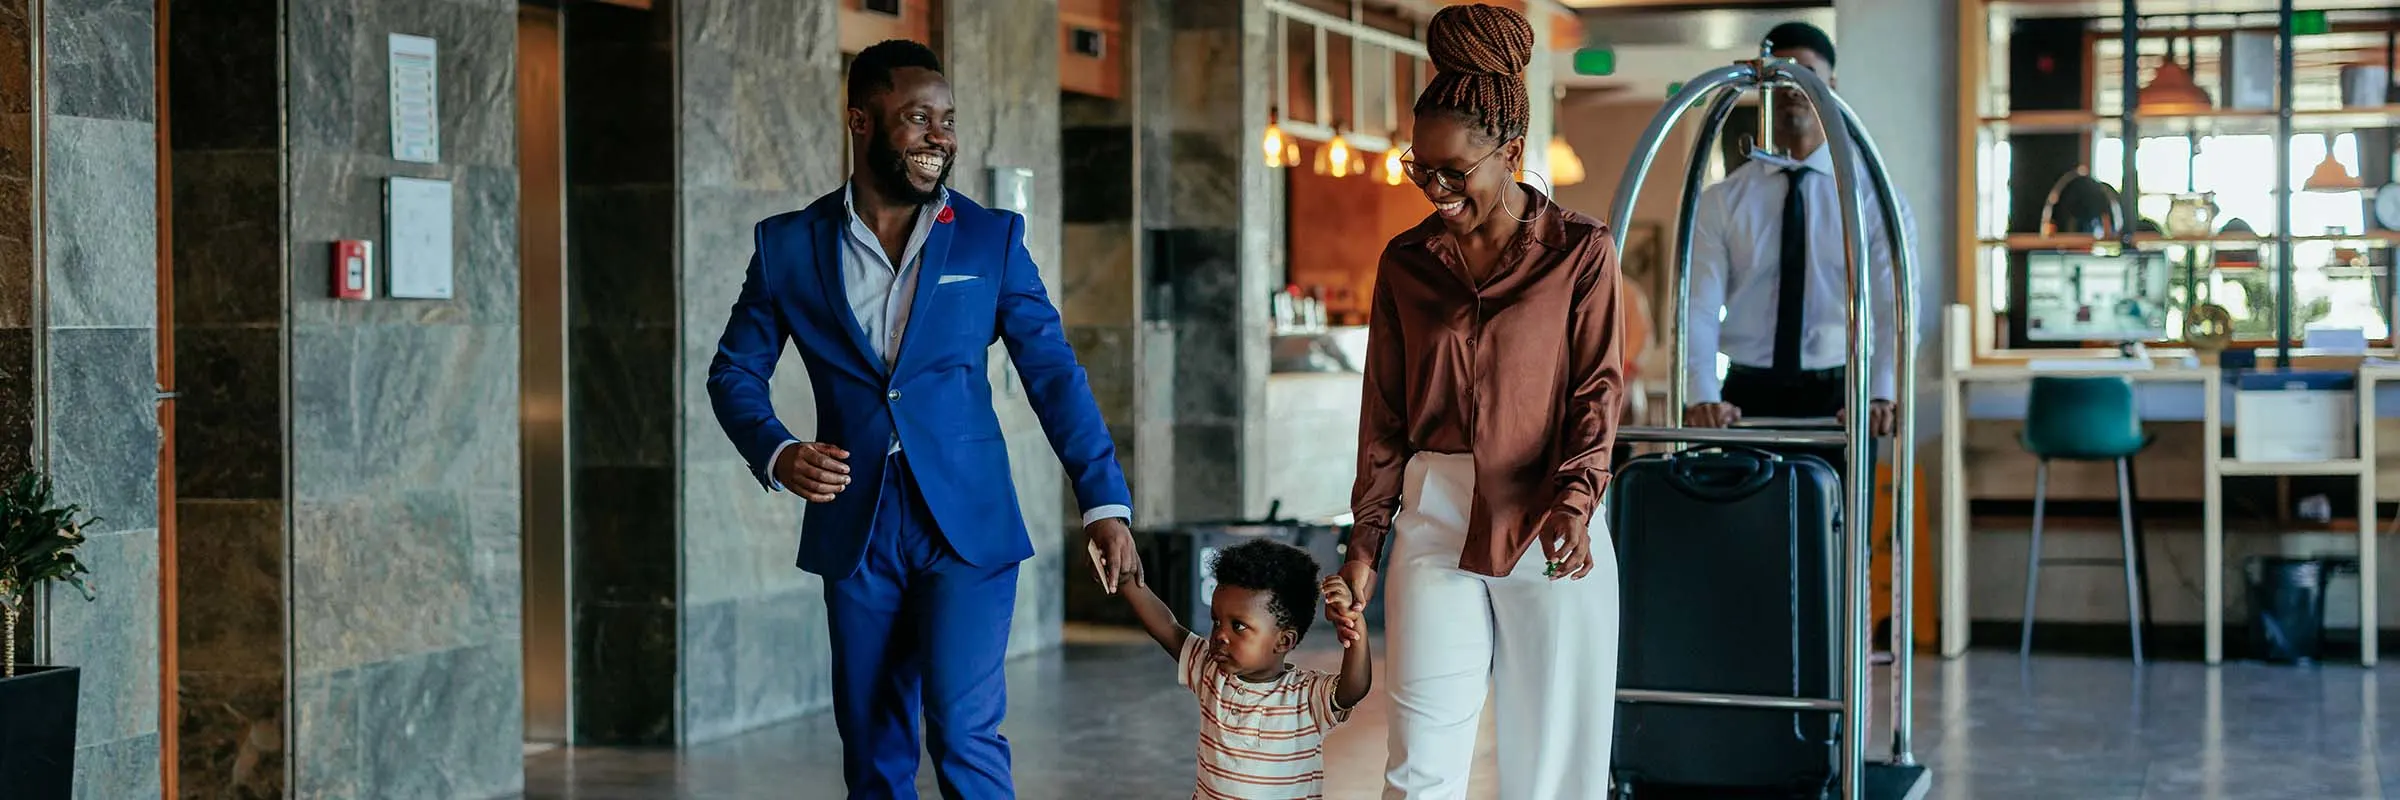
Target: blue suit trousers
[{"x": 916, "y": 628}]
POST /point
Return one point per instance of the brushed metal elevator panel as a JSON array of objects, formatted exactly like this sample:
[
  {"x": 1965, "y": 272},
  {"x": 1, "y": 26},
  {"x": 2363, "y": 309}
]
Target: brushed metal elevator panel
[{"x": 543, "y": 372}]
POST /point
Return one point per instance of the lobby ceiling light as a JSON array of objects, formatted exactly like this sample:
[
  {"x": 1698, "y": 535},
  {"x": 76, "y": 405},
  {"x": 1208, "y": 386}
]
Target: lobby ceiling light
[{"x": 1566, "y": 169}]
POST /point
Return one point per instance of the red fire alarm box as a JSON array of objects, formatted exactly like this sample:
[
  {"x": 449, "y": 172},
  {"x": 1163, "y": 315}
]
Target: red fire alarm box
[{"x": 353, "y": 269}]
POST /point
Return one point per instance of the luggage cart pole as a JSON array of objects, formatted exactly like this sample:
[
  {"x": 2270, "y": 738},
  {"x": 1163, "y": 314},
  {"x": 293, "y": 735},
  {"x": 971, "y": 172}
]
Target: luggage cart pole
[
  {"x": 1904, "y": 457},
  {"x": 1859, "y": 778}
]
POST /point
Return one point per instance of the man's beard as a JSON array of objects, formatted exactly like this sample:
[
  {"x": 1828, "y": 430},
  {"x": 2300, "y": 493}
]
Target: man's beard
[{"x": 891, "y": 170}]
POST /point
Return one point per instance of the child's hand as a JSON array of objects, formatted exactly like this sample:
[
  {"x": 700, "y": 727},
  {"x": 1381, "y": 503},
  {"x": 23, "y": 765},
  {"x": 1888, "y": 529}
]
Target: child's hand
[{"x": 1337, "y": 596}]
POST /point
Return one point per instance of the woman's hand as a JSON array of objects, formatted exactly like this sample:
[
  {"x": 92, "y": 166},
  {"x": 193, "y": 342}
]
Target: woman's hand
[
  {"x": 1567, "y": 541},
  {"x": 1350, "y": 618}
]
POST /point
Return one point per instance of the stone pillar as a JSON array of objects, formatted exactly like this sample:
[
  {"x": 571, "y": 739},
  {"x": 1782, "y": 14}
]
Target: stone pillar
[
  {"x": 98, "y": 374},
  {"x": 760, "y": 118},
  {"x": 403, "y": 462},
  {"x": 1002, "y": 62},
  {"x": 1209, "y": 233}
]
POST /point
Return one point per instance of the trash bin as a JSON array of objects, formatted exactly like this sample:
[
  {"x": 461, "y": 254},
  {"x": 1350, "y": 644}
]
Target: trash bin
[{"x": 2287, "y": 607}]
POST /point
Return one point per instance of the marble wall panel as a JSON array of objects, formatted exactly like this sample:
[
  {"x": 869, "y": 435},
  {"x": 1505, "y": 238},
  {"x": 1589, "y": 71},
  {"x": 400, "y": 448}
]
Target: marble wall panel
[
  {"x": 404, "y": 456},
  {"x": 761, "y": 101},
  {"x": 105, "y": 455},
  {"x": 101, "y": 56},
  {"x": 118, "y": 768},
  {"x": 20, "y": 394},
  {"x": 113, "y": 638},
  {"x": 101, "y": 183}
]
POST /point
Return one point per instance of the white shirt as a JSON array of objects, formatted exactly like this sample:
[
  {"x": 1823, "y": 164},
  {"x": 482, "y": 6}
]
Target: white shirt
[
  {"x": 1737, "y": 264},
  {"x": 1259, "y": 741},
  {"x": 880, "y": 295}
]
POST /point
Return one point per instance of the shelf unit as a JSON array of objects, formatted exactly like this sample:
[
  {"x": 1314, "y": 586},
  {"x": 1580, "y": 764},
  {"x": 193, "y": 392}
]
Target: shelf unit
[{"x": 2125, "y": 26}]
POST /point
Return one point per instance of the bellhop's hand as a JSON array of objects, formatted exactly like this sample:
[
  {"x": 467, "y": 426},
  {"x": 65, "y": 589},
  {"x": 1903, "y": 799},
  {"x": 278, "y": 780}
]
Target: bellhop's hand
[
  {"x": 1711, "y": 415},
  {"x": 1114, "y": 559},
  {"x": 1567, "y": 541},
  {"x": 1349, "y": 617},
  {"x": 1883, "y": 419},
  {"x": 813, "y": 470}
]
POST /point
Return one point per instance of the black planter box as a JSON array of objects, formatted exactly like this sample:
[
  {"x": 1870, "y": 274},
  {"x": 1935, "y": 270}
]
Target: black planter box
[{"x": 37, "y": 732}]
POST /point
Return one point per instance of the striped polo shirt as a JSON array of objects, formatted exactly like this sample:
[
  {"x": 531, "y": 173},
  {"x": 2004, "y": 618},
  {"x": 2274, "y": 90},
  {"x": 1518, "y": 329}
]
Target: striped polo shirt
[{"x": 1259, "y": 741}]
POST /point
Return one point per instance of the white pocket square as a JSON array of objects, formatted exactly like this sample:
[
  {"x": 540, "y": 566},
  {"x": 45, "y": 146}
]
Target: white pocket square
[{"x": 950, "y": 279}]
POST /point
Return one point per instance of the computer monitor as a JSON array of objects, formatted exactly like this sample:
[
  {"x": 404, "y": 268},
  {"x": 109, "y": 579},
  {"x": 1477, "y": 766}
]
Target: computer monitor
[{"x": 2082, "y": 296}]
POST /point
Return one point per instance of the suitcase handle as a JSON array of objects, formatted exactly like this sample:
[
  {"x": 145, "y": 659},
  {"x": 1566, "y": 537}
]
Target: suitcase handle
[{"x": 1723, "y": 472}]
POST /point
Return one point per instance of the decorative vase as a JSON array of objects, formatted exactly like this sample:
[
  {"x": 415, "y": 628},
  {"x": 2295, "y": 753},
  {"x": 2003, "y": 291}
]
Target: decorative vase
[{"x": 2208, "y": 329}]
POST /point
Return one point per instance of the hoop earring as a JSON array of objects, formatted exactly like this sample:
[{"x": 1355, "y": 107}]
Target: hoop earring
[{"x": 1547, "y": 190}]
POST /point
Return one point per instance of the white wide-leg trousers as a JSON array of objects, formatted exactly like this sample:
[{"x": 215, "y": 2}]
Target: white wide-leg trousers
[{"x": 1546, "y": 649}]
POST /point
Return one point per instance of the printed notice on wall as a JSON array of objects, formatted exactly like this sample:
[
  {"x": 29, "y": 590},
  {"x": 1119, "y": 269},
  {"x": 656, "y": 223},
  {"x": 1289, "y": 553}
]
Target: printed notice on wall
[
  {"x": 416, "y": 106},
  {"x": 417, "y": 225}
]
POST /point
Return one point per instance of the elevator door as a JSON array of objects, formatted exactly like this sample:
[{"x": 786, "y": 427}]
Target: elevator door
[{"x": 542, "y": 384}]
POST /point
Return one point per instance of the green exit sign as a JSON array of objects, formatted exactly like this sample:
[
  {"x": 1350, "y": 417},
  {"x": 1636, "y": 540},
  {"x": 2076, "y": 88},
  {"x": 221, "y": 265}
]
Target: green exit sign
[
  {"x": 2305, "y": 23},
  {"x": 1595, "y": 61}
]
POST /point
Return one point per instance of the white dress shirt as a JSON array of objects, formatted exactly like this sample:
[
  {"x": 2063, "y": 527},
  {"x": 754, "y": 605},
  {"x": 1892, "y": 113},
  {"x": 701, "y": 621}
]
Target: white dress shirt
[
  {"x": 880, "y": 296},
  {"x": 1737, "y": 264}
]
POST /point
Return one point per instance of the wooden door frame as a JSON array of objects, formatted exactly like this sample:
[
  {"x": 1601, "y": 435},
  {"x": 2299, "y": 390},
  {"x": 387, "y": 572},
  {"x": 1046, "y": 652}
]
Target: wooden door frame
[{"x": 170, "y": 707}]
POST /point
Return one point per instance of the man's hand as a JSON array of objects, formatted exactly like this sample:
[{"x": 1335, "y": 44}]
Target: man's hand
[
  {"x": 1883, "y": 419},
  {"x": 1113, "y": 557},
  {"x": 1711, "y": 415},
  {"x": 1350, "y": 616},
  {"x": 1338, "y": 608},
  {"x": 813, "y": 470},
  {"x": 1567, "y": 542}
]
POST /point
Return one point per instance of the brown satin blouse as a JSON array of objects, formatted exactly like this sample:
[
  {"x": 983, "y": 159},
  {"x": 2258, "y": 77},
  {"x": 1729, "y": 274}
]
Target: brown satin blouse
[{"x": 1523, "y": 371}]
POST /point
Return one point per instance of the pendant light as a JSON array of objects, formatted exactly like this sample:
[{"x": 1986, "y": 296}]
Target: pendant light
[
  {"x": 2172, "y": 90},
  {"x": 1338, "y": 159},
  {"x": 1393, "y": 172},
  {"x": 1278, "y": 147},
  {"x": 2330, "y": 175},
  {"x": 1566, "y": 168}
]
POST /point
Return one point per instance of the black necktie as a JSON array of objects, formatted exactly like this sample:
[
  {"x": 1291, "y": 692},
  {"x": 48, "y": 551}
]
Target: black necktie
[{"x": 1792, "y": 295}]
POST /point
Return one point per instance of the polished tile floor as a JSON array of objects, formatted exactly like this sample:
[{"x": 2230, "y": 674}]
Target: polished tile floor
[{"x": 1103, "y": 718}]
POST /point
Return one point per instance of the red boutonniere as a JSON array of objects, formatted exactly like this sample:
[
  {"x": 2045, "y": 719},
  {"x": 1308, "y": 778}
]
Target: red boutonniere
[{"x": 945, "y": 216}]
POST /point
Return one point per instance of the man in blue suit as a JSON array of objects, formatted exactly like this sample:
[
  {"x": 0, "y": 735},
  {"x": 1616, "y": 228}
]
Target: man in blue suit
[{"x": 893, "y": 289}]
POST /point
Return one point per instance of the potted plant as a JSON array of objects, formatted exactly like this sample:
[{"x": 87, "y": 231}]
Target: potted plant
[{"x": 38, "y": 538}]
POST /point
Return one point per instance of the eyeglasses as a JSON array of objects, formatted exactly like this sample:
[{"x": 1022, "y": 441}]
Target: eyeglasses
[{"x": 1451, "y": 180}]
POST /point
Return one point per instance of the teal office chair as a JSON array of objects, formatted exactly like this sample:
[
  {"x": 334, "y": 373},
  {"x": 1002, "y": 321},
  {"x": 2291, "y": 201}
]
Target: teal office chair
[{"x": 2086, "y": 419}]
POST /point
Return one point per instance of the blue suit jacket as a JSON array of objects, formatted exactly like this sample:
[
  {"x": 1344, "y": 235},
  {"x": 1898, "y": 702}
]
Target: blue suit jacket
[{"x": 976, "y": 285}]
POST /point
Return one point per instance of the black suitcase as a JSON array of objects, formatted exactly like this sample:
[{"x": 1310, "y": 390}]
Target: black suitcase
[{"x": 1729, "y": 564}]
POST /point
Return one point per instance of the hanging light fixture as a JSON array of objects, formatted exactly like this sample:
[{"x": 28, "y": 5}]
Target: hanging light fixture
[
  {"x": 2172, "y": 90},
  {"x": 2331, "y": 175},
  {"x": 1278, "y": 147},
  {"x": 1338, "y": 159},
  {"x": 1393, "y": 173},
  {"x": 1566, "y": 169}
]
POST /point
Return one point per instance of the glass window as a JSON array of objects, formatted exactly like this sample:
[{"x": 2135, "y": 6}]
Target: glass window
[{"x": 2332, "y": 284}]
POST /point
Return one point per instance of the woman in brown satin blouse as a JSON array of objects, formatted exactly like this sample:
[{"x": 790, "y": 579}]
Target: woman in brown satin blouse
[{"x": 1493, "y": 389}]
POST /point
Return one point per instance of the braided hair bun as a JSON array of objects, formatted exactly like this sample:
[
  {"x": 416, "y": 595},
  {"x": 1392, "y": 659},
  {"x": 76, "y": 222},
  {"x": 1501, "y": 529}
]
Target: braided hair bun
[{"x": 1479, "y": 55}]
